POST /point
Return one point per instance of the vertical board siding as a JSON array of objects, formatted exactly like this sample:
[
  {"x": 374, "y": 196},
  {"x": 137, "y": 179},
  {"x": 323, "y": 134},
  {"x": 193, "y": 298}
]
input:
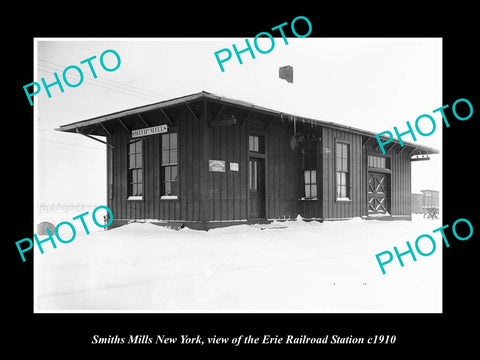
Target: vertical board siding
[
  {"x": 243, "y": 173},
  {"x": 398, "y": 182},
  {"x": 401, "y": 188},
  {"x": 190, "y": 130},
  {"x": 282, "y": 172},
  {"x": 285, "y": 175},
  {"x": 187, "y": 207},
  {"x": 333, "y": 209},
  {"x": 224, "y": 199},
  {"x": 197, "y": 162},
  {"x": 227, "y": 189},
  {"x": 225, "y": 194},
  {"x": 309, "y": 209},
  {"x": 188, "y": 134},
  {"x": 363, "y": 183},
  {"x": 215, "y": 196}
]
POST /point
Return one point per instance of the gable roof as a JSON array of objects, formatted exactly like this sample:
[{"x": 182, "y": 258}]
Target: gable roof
[{"x": 77, "y": 126}]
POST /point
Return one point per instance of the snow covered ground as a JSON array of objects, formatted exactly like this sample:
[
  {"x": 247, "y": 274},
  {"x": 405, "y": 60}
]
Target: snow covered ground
[{"x": 292, "y": 266}]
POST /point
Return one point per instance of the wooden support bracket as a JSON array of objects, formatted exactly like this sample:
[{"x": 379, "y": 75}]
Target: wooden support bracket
[{"x": 93, "y": 138}]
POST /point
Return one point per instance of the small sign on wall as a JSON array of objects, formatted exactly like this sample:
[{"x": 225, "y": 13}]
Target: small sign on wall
[
  {"x": 160, "y": 129},
  {"x": 216, "y": 165},
  {"x": 233, "y": 166}
]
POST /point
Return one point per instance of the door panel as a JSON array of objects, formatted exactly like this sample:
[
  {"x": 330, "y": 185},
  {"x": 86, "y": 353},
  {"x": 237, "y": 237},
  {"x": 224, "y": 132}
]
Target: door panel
[
  {"x": 256, "y": 188},
  {"x": 377, "y": 193}
]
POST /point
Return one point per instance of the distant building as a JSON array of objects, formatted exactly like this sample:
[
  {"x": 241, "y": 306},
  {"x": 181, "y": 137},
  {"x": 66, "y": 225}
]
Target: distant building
[
  {"x": 204, "y": 160},
  {"x": 430, "y": 199},
  {"x": 427, "y": 201},
  {"x": 417, "y": 200}
]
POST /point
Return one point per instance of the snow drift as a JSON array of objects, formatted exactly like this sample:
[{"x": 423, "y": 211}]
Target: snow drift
[{"x": 292, "y": 266}]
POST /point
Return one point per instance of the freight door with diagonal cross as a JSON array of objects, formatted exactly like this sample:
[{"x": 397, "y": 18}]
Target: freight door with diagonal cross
[{"x": 377, "y": 193}]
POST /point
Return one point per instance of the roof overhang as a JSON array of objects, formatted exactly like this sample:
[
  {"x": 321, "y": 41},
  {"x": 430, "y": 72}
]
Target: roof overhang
[{"x": 95, "y": 126}]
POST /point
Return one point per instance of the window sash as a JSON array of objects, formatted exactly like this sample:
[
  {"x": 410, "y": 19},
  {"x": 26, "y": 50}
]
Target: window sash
[
  {"x": 170, "y": 180},
  {"x": 377, "y": 162},
  {"x": 310, "y": 177},
  {"x": 310, "y": 183},
  {"x": 310, "y": 191},
  {"x": 342, "y": 184},
  {"x": 253, "y": 143},
  {"x": 309, "y": 171},
  {"x": 169, "y": 163},
  {"x": 342, "y": 157},
  {"x": 342, "y": 191},
  {"x": 342, "y": 167},
  {"x": 256, "y": 143},
  {"x": 135, "y": 168},
  {"x": 169, "y": 149},
  {"x": 136, "y": 189}
]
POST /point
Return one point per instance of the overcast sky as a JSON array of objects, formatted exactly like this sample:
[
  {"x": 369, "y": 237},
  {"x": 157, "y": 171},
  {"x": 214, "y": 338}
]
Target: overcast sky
[{"x": 372, "y": 84}]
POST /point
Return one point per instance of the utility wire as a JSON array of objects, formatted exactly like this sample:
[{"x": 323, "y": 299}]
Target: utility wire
[
  {"x": 96, "y": 153},
  {"x": 113, "y": 88},
  {"x": 59, "y": 142},
  {"x": 60, "y": 68},
  {"x": 155, "y": 97},
  {"x": 112, "y": 83},
  {"x": 125, "y": 91}
]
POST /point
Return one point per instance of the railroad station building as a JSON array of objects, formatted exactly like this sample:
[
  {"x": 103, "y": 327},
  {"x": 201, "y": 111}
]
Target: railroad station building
[{"x": 204, "y": 161}]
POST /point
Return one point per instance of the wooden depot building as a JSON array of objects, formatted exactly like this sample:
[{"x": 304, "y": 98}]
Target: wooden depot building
[{"x": 204, "y": 161}]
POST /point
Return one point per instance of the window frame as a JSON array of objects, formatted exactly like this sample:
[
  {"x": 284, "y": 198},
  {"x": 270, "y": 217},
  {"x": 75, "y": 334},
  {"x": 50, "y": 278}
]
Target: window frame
[
  {"x": 309, "y": 163},
  {"x": 260, "y": 143},
  {"x": 130, "y": 170},
  {"x": 311, "y": 185},
  {"x": 388, "y": 163},
  {"x": 170, "y": 165},
  {"x": 338, "y": 171}
]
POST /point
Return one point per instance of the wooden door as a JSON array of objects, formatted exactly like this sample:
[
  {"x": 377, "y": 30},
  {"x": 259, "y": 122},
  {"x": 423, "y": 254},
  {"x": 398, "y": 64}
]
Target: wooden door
[
  {"x": 256, "y": 188},
  {"x": 377, "y": 193}
]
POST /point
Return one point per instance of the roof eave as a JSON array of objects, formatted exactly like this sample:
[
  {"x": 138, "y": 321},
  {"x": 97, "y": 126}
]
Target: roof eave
[{"x": 72, "y": 127}]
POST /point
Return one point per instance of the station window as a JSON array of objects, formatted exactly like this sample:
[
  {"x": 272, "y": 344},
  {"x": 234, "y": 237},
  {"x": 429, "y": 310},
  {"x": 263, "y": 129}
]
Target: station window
[
  {"x": 135, "y": 168},
  {"x": 169, "y": 181},
  {"x": 310, "y": 171},
  {"x": 379, "y": 162},
  {"x": 342, "y": 164},
  {"x": 256, "y": 143}
]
